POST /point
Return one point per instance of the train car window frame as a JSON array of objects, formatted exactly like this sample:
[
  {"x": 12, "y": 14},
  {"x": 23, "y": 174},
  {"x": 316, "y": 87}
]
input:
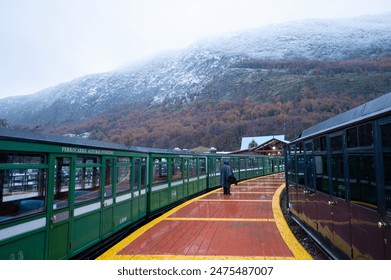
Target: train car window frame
[
  {"x": 321, "y": 164},
  {"x": 362, "y": 179},
  {"x": 124, "y": 175},
  {"x": 191, "y": 167},
  {"x": 140, "y": 175},
  {"x": 309, "y": 162},
  {"x": 87, "y": 178},
  {"x": 339, "y": 187},
  {"x": 108, "y": 181},
  {"x": 25, "y": 175},
  {"x": 202, "y": 166},
  {"x": 360, "y": 136},
  {"x": 176, "y": 169},
  {"x": 160, "y": 170},
  {"x": 62, "y": 181}
]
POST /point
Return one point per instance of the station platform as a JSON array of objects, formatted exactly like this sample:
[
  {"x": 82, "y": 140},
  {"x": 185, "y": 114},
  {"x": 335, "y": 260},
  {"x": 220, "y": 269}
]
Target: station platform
[{"x": 248, "y": 224}]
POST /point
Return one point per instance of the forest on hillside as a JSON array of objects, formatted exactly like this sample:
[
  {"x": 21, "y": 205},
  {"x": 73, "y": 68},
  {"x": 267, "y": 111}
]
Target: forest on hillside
[
  {"x": 287, "y": 98},
  {"x": 253, "y": 98},
  {"x": 221, "y": 124}
]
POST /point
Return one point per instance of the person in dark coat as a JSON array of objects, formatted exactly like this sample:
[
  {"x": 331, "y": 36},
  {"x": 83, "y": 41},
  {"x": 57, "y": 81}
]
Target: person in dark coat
[{"x": 225, "y": 174}]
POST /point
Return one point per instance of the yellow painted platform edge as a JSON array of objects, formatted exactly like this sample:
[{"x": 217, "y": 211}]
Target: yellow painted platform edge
[{"x": 294, "y": 245}]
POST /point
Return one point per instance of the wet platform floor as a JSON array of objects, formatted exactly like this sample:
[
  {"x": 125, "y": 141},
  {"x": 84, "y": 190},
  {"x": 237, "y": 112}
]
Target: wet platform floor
[{"x": 248, "y": 224}]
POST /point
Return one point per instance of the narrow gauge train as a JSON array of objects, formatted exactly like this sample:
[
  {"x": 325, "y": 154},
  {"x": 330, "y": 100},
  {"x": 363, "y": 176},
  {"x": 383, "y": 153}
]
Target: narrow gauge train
[
  {"x": 338, "y": 175},
  {"x": 59, "y": 196}
]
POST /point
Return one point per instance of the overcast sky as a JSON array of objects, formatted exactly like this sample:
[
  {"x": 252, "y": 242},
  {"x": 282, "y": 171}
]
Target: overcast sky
[{"x": 47, "y": 42}]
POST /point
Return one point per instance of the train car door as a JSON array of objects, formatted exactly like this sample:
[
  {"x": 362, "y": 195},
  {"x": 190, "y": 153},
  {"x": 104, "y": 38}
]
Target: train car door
[
  {"x": 108, "y": 179},
  {"x": 385, "y": 222},
  {"x": 61, "y": 182}
]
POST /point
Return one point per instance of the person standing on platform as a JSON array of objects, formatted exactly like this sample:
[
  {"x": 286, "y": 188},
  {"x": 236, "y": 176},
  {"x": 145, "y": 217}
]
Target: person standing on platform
[{"x": 226, "y": 175}]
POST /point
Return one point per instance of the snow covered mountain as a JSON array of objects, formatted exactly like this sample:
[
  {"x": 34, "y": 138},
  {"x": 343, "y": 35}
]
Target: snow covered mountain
[{"x": 186, "y": 75}]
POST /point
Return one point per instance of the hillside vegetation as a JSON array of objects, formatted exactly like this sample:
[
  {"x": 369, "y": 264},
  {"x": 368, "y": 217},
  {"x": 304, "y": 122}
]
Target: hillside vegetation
[{"x": 255, "y": 97}]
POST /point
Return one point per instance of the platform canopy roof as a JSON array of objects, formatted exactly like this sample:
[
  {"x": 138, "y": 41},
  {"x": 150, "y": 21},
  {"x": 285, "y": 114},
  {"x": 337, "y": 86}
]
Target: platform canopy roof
[
  {"x": 259, "y": 140},
  {"x": 266, "y": 145}
]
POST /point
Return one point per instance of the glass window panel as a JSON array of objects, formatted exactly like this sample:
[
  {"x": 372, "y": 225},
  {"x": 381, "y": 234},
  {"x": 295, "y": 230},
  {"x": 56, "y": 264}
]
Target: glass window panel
[
  {"x": 352, "y": 137},
  {"x": 192, "y": 167},
  {"x": 385, "y": 136},
  {"x": 323, "y": 143},
  {"x": 176, "y": 169},
  {"x": 338, "y": 177},
  {"x": 291, "y": 169},
  {"x": 137, "y": 174},
  {"x": 362, "y": 180},
  {"x": 243, "y": 164},
  {"x": 123, "y": 179},
  {"x": 87, "y": 160},
  {"x": 365, "y": 134},
  {"x": 61, "y": 183},
  {"x": 160, "y": 170},
  {"x": 217, "y": 165},
  {"x": 336, "y": 143},
  {"x": 308, "y": 148},
  {"x": 322, "y": 181},
  {"x": 108, "y": 177},
  {"x": 140, "y": 174},
  {"x": 16, "y": 158},
  {"x": 27, "y": 198},
  {"x": 143, "y": 176},
  {"x": 87, "y": 183},
  {"x": 202, "y": 166},
  {"x": 300, "y": 170}
]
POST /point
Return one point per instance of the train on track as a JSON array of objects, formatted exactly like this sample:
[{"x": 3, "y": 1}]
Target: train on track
[
  {"x": 338, "y": 176},
  {"x": 59, "y": 196}
]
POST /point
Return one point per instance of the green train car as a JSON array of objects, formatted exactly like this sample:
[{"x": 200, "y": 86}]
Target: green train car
[{"x": 60, "y": 196}]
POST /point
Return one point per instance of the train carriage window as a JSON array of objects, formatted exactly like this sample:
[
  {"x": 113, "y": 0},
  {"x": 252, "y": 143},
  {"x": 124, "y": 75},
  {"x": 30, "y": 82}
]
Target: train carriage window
[
  {"x": 322, "y": 181},
  {"x": 160, "y": 170},
  {"x": 191, "y": 167},
  {"x": 16, "y": 158},
  {"x": 362, "y": 180},
  {"x": 61, "y": 182},
  {"x": 108, "y": 179},
  {"x": 176, "y": 169},
  {"x": 336, "y": 143},
  {"x": 218, "y": 164},
  {"x": 338, "y": 185},
  {"x": 320, "y": 144},
  {"x": 352, "y": 137},
  {"x": 243, "y": 164},
  {"x": 360, "y": 136},
  {"x": 386, "y": 136},
  {"x": 140, "y": 169},
  {"x": 233, "y": 164},
  {"x": 124, "y": 170},
  {"x": 300, "y": 170},
  {"x": 365, "y": 135},
  {"x": 87, "y": 179},
  {"x": 22, "y": 191},
  {"x": 202, "y": 163}
]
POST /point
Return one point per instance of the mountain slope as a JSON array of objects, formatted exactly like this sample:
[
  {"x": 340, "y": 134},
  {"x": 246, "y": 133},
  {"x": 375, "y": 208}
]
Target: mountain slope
[{"x": 278, "y": 62}]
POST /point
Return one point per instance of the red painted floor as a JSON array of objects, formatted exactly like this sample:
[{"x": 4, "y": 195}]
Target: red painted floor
[{"x": 218, "y": 226}]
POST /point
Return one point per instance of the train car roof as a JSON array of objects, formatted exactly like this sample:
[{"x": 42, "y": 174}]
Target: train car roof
[
  {"x": 373, "y": 108},
  {"x": 33, "y": 137}
]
